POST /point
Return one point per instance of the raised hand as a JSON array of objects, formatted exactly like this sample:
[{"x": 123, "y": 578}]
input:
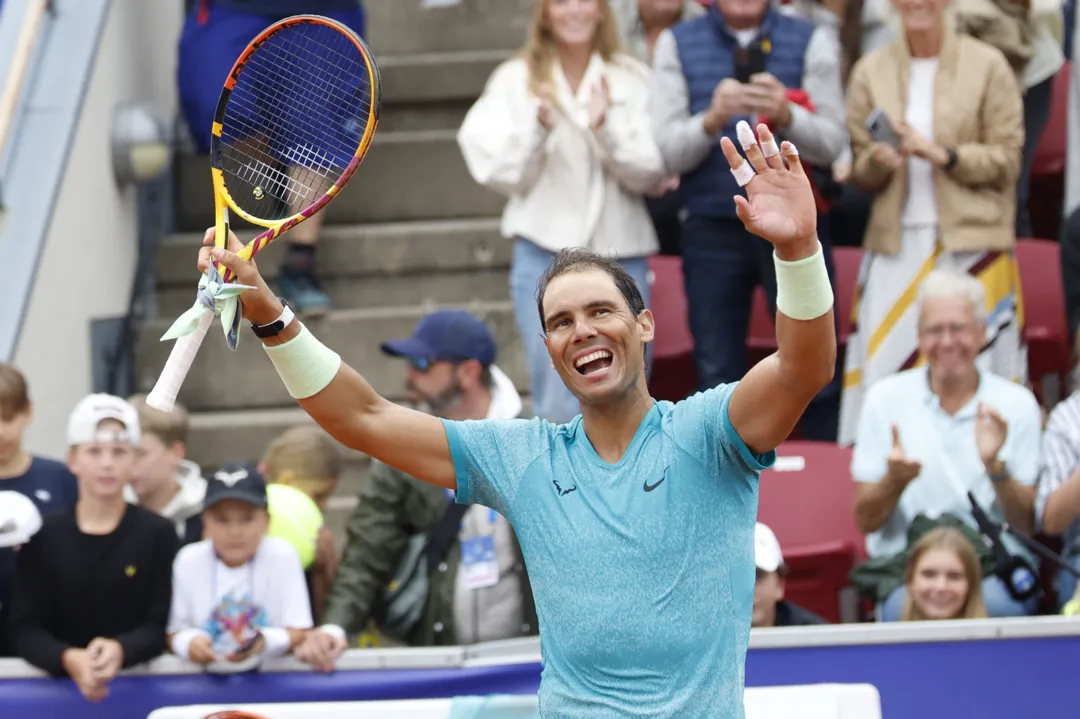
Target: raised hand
[
  {"x": 901, "y": 468},
  {"x": 260, "y": 305},
  {"x": 991, "y": 429},
  {"x": 779, "y": 204}
]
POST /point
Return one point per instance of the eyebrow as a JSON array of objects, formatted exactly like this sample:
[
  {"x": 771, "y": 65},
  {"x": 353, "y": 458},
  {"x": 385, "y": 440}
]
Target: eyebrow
[{"x": 595, "y": 304}]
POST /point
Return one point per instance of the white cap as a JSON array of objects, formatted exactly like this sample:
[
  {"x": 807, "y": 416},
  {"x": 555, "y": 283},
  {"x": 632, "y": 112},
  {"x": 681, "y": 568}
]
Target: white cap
[
  {"x": 767, "y": 554},
  {"x": 92, "y": 411},
  {"x": 19, "y": 519}
]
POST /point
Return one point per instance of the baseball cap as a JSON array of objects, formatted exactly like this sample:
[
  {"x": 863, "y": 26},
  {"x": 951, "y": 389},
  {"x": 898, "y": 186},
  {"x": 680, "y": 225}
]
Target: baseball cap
[
  {"x": 91, "y": 411},
  {"x": 19, "y": 519},
  {"x": 767, "y": 554},
  {"x": 240, "y": 481},
  {"x": 446, "y": 336}
]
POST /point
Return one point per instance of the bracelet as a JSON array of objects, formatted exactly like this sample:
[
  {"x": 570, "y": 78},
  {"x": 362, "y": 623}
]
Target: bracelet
[
  {"x": 305, "y": 364},
  {"x": 273, "y": 329},
  {"x": 803, "y": 290}
]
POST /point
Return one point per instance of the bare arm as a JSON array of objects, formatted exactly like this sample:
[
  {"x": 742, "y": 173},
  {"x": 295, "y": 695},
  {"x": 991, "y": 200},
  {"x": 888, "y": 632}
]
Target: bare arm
[
  {"x": 770, "y": 399},
  {"x": 875, "y": 502},
  {"x": 1062, "y": 506},
  {"x": 348, "y": 408},
  {"x": 1017, "y": 503}
]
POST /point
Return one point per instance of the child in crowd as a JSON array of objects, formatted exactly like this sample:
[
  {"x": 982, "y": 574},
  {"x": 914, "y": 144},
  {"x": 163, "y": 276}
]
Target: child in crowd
[
  {"x": 165, "y": 482},
  {"x": 238, "y": 595},
  {"x": 943, "y": 578},
  {"x": 92, "y": 587},
  {"x": 49, "y": 484},
  {"x": 306, "y": 458}
]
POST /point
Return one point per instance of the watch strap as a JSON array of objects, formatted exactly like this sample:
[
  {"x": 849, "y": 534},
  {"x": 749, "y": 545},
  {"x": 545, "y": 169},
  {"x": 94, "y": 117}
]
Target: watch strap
[{"x": 274, "y": 328}]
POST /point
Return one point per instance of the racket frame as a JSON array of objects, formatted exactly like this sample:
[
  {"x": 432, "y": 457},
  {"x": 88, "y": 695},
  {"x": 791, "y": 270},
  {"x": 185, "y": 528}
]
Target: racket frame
[{"x": 276, "y": 228}]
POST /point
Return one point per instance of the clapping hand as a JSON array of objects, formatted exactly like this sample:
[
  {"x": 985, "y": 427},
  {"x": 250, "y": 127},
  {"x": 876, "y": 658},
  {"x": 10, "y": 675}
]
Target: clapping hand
[
  {"x": 901, "y": 467},
  {"x": 916, "y": 145},
  {"x": 599, "y": 104},
  {"x": 991, "y": 429}
]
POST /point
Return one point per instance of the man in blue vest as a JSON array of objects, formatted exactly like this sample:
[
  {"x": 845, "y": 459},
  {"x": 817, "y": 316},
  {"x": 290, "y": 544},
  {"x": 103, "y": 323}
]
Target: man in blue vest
[{"x": 739, "y": 62}]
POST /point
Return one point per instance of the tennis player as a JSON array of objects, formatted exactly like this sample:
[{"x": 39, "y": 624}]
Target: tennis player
[{"x": 636, "y": 519}]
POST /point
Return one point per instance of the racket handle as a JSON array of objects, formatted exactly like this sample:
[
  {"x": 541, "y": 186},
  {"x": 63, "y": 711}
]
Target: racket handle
[{"x": 163, "y": 396}]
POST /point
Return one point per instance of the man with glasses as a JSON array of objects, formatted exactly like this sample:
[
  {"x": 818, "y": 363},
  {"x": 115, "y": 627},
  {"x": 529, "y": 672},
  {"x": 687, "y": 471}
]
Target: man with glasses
[
  {"x": 929, "y": 435},
  {"x": 478, "y": 590}
]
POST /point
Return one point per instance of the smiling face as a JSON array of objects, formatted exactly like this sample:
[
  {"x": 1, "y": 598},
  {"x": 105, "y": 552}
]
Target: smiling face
[
  {"x": 950, "y": 335},
  {"x": 574, "y": 22},
  {"x": 921, "y": 15},
  {"x": 939, "y": 585},
  {"x": 595, "y": 341}
]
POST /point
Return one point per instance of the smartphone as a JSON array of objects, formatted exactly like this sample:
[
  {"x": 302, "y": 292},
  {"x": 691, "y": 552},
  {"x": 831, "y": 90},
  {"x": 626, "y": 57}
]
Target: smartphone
[
  {"x": 749, "y": 61},
  {"x": 243, "y": 649},
  {"x": 881, "y": 128}
]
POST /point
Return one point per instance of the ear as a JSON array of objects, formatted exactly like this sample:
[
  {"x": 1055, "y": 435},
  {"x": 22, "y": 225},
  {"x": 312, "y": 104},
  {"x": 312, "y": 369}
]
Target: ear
[
  {"x": 261, "y": 468},
  {"x": 178, "y": 450},
  {"x": 469, "y": 373},
  {"x": 647, "y": 325},
  {"x": 71, "y": 458}
]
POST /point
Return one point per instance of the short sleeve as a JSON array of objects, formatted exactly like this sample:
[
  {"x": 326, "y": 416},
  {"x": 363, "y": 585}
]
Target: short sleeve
[
  {"x": 490, "y": 457},
  {"x": 1023, "y": 443},
  {"x": 702, "y": 427},
  {"x": 873, "y": 440},
  {"x": 1060, "y": 453}
]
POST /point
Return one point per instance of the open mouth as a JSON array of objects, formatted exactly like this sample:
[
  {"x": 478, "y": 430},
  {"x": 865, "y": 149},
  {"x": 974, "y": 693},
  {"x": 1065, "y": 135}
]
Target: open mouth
[{"x": 593, "y": 362}]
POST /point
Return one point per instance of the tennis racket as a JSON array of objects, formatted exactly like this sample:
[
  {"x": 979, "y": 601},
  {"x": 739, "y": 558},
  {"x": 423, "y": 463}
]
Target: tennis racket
[{"x": 293, "y": 123}]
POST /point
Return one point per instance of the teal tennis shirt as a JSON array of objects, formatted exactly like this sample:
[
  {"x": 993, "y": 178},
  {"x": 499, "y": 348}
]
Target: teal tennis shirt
[{"x": 642, "y": 570}]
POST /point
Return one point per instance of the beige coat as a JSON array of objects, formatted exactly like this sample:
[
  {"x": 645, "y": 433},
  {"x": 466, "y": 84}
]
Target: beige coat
[{"x": 978, "y": 112}]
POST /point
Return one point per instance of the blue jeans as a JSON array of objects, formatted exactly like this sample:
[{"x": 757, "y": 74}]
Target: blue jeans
[
  {"x": 551, "y": 399},
  {"x": 722, "y": 264},
  {"x": 995, "y": 596}
]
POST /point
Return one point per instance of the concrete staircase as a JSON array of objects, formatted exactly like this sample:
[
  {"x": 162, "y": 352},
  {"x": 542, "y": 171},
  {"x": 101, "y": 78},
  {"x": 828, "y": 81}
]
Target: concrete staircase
[{"x": 411, "y": 232}]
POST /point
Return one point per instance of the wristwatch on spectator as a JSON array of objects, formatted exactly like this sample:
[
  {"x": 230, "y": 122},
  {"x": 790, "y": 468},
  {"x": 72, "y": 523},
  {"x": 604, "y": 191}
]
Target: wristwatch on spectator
[
  {"x": 997, "y": 471},
  {"x": 274, "y": 328},
  {"x": 952, "y": 159}
]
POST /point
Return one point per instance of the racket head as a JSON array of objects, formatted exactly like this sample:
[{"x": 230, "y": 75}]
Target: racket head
[{"x": 294, "y": 121}]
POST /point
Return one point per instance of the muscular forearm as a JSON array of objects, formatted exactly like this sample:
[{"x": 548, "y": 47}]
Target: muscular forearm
[
  {"x": 875, "y": 503},
  {"x": 1062, "y": 506}
]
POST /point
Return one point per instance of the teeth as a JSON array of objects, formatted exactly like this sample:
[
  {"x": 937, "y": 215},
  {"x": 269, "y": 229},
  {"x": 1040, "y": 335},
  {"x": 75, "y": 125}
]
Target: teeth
[{"x": 591, "y": 357}]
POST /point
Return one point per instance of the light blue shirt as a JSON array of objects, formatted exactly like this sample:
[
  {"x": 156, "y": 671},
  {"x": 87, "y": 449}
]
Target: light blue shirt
[
  {"x": 945, "y": 445},
  {"x": 643, "y": 570}
]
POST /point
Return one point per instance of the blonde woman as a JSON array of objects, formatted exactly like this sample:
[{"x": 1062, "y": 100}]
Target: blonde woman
[
  {"x": 943, "y": 579},
  {"x": 561, "y": 130},
  {"x": 944, "y": 193}
]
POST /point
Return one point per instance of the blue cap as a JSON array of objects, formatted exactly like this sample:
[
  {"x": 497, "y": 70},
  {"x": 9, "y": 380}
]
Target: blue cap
[
  {"x": 446, "y": 336},
  {"x": 240, "y": 481}
]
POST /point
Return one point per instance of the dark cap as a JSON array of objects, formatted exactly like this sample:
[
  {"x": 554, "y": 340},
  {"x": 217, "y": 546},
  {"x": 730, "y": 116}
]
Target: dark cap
[
  {"x": 236, "y": 481},
  {"x": 446, "y": 336}
]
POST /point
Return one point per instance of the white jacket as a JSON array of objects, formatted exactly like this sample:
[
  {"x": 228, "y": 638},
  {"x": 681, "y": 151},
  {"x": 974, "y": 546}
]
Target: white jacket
[{"x": 569, "y": 187}]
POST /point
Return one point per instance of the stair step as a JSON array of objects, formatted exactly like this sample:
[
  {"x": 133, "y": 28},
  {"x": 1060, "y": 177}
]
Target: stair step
[
  {"x": 404, "y": 26},
  {"x": 426, "y": 290},
  {"x": 353, "y": 250},
  {"x": 406, "y": 176},
  {"x": 245, "y": 379},
  {"x": 435, "y": 78}
]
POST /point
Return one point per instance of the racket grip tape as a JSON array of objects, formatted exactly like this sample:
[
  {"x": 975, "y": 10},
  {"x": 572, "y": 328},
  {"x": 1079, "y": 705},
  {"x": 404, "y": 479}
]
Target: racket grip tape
[{"x": 163, "y": 396}]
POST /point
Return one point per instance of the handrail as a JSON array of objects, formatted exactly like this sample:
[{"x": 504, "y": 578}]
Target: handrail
[{"x": 12, "y": 85}]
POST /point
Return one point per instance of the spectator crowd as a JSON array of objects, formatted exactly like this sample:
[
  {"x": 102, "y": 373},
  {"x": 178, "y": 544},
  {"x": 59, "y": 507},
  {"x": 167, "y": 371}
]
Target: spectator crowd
[{"x": 919, "y": 119}]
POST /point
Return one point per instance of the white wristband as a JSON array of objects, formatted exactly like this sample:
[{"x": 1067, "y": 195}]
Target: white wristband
[
  {"x": 304, "y": 364},
  {"x": 803, "y": 290}
]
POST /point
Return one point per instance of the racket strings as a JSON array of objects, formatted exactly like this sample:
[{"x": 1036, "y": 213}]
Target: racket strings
[{"x": 294, "y": 119}]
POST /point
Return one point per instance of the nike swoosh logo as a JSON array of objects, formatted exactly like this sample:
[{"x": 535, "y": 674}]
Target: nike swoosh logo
[{"x": 650, "y": 487}]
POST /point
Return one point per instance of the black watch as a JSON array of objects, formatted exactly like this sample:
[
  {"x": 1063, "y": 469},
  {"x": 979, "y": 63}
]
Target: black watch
[
  {"x": 274, "y": 328},
  {"x": 952, "y": 159}
]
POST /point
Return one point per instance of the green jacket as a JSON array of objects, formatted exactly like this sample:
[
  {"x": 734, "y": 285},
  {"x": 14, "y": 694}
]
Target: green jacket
[
  {"x": 878, "y": 577},
  {"x": 394, "y": 506}
]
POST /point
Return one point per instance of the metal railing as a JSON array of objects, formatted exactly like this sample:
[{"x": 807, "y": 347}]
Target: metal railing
[{"x": 14, "y": 80}]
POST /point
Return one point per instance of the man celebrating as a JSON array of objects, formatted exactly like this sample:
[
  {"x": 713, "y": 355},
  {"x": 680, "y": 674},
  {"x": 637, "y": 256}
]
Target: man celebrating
[{"x": 636, "y": 519}]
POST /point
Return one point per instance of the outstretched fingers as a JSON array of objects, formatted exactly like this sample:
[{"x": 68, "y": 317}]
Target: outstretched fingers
[
  {"x": 791, "y": 156},
  {"x": 742, "y": 170}
]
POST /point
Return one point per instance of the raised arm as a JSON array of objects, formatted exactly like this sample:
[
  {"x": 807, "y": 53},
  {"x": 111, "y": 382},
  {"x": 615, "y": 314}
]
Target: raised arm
[
  {"x": 779, "y": 207},
  {"x": 333, "y": 393}
]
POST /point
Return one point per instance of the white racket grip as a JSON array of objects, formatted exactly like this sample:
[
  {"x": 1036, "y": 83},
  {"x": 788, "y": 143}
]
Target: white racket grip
[{"x": 163, "y": 396}]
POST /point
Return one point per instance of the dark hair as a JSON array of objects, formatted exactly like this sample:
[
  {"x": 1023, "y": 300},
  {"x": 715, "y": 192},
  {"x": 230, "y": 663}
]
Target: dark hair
[
  {"x": 577, "y": 259},
  {"x": 14, "y": 396}
]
